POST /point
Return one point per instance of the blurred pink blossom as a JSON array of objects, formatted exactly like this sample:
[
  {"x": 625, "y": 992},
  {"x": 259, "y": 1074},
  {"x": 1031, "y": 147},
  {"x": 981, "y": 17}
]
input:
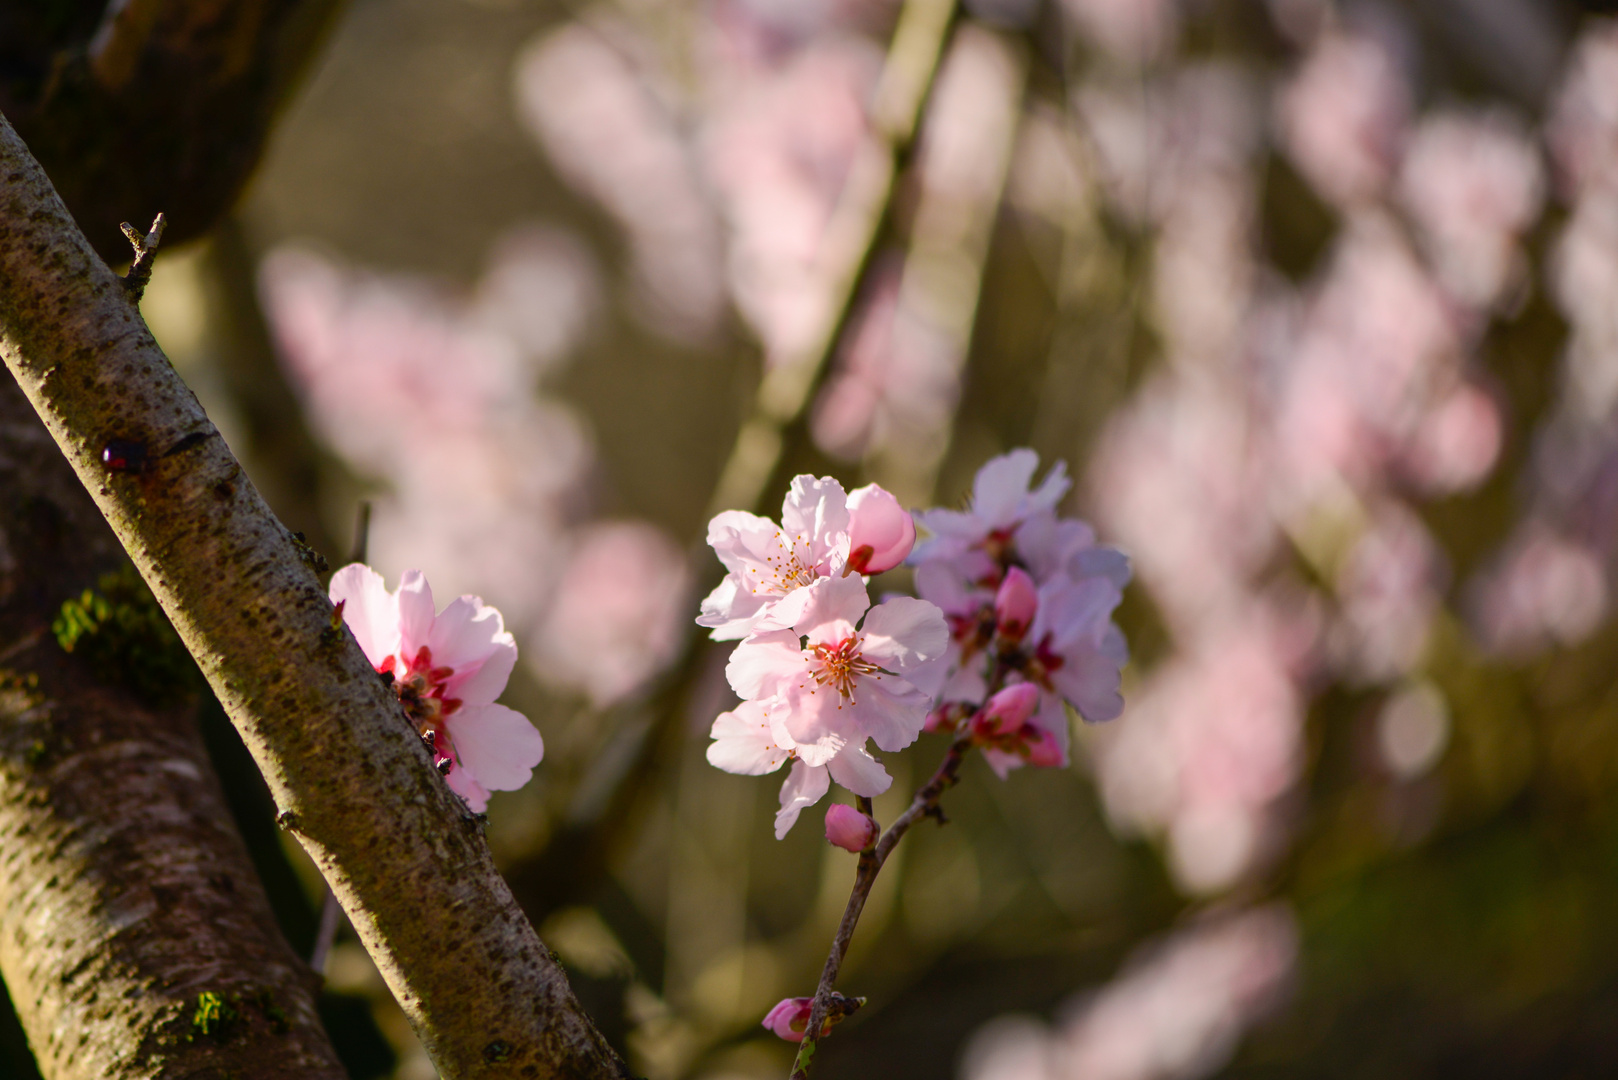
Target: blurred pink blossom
[
  {"x": 1342, "y": 118},
  {"x": 1473, "y": 184},
  {"x": 616, "y": 617},
  {"x": 1176, "y": 1011},
  {"x": 1387, "y": 591},
  {"x": 1583, "y": 127},
  {"x": 1213, "y": 740},
  {"x": 1543, "y": 590},
  {"x": 613, "y": 139},
  {"x": 1135, "y": 31}
]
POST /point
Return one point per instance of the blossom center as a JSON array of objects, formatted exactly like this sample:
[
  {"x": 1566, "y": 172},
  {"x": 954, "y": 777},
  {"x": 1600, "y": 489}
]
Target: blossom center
[
  {"x": 420, "y": 689},
  {"x": 840, "y": 665},
  {"x": 786, "y": 569}
]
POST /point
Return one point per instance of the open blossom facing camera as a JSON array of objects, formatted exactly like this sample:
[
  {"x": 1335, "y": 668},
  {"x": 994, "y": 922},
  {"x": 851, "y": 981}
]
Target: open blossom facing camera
[
  {"x": 823, "y": 532},
  {"x": 447, "y": 669}
]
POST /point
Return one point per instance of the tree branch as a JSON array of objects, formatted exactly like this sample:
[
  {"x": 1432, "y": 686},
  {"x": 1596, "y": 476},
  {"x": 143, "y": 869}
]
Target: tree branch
[
  {"x": 162, "y": 105},
  {"x": 350, "y": 776},
  {"x": 128, "y": 902}
]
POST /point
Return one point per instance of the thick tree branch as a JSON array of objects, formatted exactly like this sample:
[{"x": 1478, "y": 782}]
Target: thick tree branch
[
  {"x": 352, "y": 779},
  {"x": 128, "y": 904},
  {"x": 156, "y": 104}
]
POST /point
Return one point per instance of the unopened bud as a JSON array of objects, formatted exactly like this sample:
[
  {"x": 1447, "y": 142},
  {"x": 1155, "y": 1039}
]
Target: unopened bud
[
  {"x": 1015, "y": 604},
  {"x": 880, "y": 531},
  {"x": 849, "y": 829},
  {"x": 1008, "y": 711}
]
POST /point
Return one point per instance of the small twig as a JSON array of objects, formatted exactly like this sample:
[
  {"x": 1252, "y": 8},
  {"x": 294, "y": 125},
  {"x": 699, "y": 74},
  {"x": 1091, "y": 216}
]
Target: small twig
[
  {"x": 924, "y": 804},
  {"x": 140, "y": 271},
  {"x": 362, "y": 532}
]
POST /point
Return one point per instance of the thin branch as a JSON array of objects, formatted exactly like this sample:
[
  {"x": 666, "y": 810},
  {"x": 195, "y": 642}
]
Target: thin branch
[
  {"x": 924, "y": 804},
  {"x": 140, "y": 270},
  {"x": 352, "y": 779},
  {"x": 845, "y": 249}
]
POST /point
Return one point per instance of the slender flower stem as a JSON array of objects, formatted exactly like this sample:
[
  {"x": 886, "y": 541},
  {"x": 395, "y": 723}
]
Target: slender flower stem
[{"x": 925, "y": 804}]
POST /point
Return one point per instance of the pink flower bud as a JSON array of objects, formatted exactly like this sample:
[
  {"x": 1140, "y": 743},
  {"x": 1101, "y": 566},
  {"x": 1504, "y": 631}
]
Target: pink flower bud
[
  {"x": 1043, "y": 752},
  {"x": 849, "y": 829},
  {"x": 790, "y": 1018},
  {"x": 880, "y": 531},
  {"x": 1015, "y": 604},
  {"x": 1009, "y": 710}
]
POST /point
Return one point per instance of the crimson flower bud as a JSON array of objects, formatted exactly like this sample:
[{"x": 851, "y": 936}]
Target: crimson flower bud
[
  {"x": 1015, "y": 604},
  {"x": 849, "y": 829},
  {"x": 880, "y": 531}
]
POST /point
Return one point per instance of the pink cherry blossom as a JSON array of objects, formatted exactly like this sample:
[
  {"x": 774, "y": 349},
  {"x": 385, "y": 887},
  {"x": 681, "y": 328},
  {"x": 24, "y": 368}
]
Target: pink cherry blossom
[
  {"x": 1077, "y": 651},
  {"x": 847, "y": 671},
  {"x": 752, "y": 740},
  {"x": 790, "y": 1018},
  {"x": 849, "y": 829},
  {"x": 880, "y": 531},
  {"x": 447, "y": 669},
  {"x": 771, "y": 565},
  {"x": 1001, "y": 501}
]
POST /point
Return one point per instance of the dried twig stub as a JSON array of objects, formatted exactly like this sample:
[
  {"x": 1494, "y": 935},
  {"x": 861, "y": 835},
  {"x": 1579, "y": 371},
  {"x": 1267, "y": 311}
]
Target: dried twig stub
[{"x": 140, "y": 271}]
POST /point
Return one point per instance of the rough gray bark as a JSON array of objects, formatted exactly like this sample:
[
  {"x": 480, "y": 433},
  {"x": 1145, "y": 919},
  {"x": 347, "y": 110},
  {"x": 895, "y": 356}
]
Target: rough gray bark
[
  {"x": 352, "y": 779},
  {"x": 136, "y": 106},
  {"x": 126, "y": 895}
]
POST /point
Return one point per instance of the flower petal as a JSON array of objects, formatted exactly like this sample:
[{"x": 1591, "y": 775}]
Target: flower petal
[
  {"x": 370, "y": 611},
  {"x": 859, "y": 772},
  {"x": 463, "y": 783},
  {"x": 745, "y": 742},
  {"x": 1000, "y": 489},
  {"x": 804, "y": 787},
  {"x": 471, "y": 637},
  {"x": 765, "y": 665},
  {"x": 498, "y": 745},
  {"x": 908, "y": 636},
  {"x": 415, "y": 612},
  {"x": 834, "y": 606},
  {"x": 816, "y": 512}
]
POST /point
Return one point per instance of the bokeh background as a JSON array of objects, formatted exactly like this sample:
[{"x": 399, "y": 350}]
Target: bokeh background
[{"x": 1319, "y": 302}]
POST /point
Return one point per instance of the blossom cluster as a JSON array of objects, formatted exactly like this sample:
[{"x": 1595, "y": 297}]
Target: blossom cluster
[{"x": 1014, "y": 624}]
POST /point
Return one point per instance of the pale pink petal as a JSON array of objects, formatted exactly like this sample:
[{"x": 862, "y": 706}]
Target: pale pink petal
[
  {"x": 804, "y": 786},
  {"x": 816, "y": 512},
  {"x": 371, "y": 612},
  {"x": 1089, "y": 678},
  {"x": 498, "y": 745},
  {"x": 1050, "y": 490},
  {"x": 463, "y": 783},
  {"x": 415, "y": 612},
  {"x": 859, "y": 772},
  {"x": 471, "y": 637},
  {"x": 1000, "y": 489},
  {"x": 891, "y": 711},
  {"x": 834, "y": 606},
  {"x": 908, "y": 636},
  {"x": 745, "y": 742},
  {"x": 766, "y": 664}
]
